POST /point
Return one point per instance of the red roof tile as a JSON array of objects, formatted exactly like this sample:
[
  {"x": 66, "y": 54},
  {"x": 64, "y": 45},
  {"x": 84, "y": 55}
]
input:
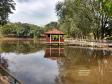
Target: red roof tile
[{"x": 54, "y": 31}]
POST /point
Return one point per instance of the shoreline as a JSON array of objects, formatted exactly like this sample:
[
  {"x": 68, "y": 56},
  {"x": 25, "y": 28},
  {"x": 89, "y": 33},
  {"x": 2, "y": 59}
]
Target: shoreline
[
  {"x": 14, "y": 39},
  {"x": 68, "y": 42},
  {"x": 96, "y": 44}
]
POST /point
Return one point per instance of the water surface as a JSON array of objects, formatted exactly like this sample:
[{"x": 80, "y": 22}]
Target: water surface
[{"x": 34, "y": 63}]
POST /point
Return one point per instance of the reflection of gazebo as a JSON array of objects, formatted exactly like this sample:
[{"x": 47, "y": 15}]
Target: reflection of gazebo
[
  {"x": 54, "y": 52},
  {"x": 54, "y": 36}
]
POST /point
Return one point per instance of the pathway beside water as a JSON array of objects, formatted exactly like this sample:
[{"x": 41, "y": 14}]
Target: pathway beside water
[{"x": 99, "y": 44}]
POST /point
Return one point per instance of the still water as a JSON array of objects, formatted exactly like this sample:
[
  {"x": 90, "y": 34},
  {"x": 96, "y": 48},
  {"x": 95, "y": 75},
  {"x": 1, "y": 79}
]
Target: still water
[{"x": 34, "y": 63}]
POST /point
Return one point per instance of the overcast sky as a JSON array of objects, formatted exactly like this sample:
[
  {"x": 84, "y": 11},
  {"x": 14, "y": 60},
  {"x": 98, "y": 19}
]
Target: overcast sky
[{"x": 39, "y": 12}]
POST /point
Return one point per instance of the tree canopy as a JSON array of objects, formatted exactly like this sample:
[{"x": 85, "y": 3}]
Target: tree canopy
[
  {"x": 51, "y": 25},
  {"x": 83, "y": 18},
  {"x": 21, "y": 30},
  {"x": 6, "y": 8}
]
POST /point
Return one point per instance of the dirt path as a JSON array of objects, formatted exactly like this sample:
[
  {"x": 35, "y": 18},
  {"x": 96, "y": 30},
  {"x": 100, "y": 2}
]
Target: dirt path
[{"x": 88, "y": 43}]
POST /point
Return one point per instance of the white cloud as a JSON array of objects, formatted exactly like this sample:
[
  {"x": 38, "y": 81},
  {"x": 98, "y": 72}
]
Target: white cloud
[{"x": 38, "y": 12}]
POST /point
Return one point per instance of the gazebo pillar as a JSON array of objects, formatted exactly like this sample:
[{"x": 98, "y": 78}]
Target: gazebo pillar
[
  {"x": 59, "y": 39},
  {"x": 50, "y": 38}
]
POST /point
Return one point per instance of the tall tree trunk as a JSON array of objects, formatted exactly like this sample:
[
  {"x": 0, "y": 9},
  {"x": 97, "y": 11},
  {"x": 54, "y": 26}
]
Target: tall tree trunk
[{"x": 102, "y": 26}]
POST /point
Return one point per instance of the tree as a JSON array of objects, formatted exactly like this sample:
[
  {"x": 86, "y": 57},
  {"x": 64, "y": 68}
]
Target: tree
[
  {"x": 80, "y": 18},
  {"x": 6, "y": 7},
  {"x": 73, "y": 15},
  {"x": 51, "y": 25}
]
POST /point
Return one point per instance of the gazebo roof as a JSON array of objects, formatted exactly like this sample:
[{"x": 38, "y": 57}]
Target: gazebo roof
[{"x": 54, "y": 31}]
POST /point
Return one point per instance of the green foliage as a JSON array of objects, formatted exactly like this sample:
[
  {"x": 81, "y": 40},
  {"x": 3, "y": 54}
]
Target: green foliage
[
  {"x": 74, "y": 18},
  {"x": 80, "y": 18},
  {"x": 21, "y": 30},
  {"x": 6, "y": 7},
  {"x": 51, "y": 25}
]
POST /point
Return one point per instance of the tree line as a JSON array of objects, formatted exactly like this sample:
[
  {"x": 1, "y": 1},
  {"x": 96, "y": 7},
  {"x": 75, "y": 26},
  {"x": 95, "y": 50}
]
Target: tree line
[
  {"x": 21, "y": 30},
  {"x": 82, "y": 19}
]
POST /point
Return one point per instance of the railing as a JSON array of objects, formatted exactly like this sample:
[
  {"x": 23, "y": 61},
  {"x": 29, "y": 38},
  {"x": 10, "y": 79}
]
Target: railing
[{"x": 12, "y": 80}]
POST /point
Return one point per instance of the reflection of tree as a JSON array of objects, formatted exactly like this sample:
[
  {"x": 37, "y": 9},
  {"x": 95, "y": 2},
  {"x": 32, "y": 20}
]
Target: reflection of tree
[
  {"x": 3, "y": 62},
  {"x": 5, "y": 76},
  {"x": 20, "y": 46},
  {"x": 85, "y": 66}
]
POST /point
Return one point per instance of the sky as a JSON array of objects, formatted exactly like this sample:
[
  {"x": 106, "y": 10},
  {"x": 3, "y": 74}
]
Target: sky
[{"x": 39, "y": 12}]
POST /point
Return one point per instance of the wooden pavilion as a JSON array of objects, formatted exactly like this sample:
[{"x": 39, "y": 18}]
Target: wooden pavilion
[{"x": 54, "y": 36}]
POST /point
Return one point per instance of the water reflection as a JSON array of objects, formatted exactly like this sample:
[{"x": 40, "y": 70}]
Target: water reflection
[
  {"x": 54, "y": 52},
  {"x": 18, "y": 46},
  {"x": 85, "y": 66},
  {"x": 32, "y": 68},
  {"x": 4, "y": 77},
  {"x": 3, "y": 62},
  {"x": 34, "y": 63}
]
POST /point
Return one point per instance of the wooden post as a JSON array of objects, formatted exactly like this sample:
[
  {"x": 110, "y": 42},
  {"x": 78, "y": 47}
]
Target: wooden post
[{"x": 50, "y": 38}]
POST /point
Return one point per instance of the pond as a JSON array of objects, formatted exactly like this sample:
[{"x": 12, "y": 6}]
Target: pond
[{"x": 35, "y": 63}]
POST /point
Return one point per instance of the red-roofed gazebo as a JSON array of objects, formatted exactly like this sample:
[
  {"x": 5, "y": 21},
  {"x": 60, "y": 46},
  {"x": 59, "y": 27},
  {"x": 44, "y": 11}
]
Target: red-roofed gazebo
[{"x": 54, "y": 36}]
